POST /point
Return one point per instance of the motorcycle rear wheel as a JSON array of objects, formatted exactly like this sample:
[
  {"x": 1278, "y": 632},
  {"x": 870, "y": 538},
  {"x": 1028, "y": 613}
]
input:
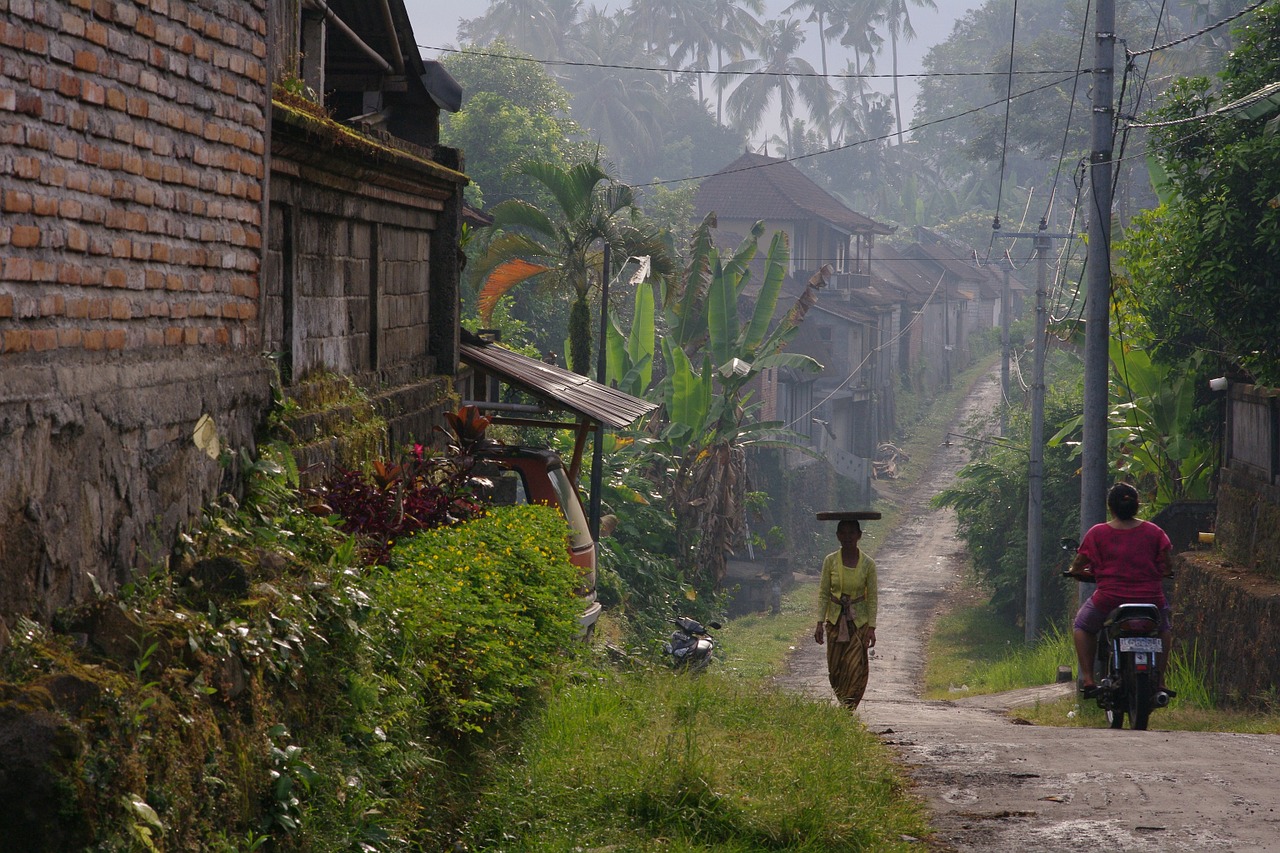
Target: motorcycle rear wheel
[{"x": 1139, "y": 700}]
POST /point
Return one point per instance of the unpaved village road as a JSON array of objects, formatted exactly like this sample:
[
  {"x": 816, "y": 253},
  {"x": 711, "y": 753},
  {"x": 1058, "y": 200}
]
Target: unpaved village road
[{"x": 993, "y": 784}]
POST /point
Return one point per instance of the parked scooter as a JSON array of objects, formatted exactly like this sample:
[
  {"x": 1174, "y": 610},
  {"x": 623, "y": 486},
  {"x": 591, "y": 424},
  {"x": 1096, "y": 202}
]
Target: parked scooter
[
  {"x": 690, "y": 646},
  {"x": 1125, "y": 666}
]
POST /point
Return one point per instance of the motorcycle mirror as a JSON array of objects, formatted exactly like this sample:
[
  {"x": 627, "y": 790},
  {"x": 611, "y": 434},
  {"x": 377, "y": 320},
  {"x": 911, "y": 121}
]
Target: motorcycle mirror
[{"x": 1069, "y": 544}]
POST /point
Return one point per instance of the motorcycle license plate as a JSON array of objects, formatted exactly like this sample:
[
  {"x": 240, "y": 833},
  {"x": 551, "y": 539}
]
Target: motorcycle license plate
[{"x": 1141, "y": 644}]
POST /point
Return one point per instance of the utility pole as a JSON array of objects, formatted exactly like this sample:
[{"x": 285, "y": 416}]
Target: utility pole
[
  {"x": 1097, "y": 301},
  {"x": 1004, "y": 351},
  {"x": 597, "y": 451},
  {"x": 1035, "y": 463},
  {"x": 1035, "y": 456}
]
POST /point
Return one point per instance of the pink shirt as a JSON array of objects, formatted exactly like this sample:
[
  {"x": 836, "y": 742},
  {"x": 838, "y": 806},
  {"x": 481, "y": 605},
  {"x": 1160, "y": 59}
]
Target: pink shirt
[{"x": 1126, "y": 563}]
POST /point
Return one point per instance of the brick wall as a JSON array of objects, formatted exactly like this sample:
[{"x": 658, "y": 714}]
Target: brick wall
[{"x": 133, "y": 141}]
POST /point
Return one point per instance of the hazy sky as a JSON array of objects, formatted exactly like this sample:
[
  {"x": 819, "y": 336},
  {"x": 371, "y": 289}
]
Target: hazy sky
[{"x": 435, "y": 24}]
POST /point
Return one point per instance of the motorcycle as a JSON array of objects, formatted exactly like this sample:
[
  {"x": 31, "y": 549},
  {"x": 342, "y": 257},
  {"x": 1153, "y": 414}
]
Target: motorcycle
[
  {"x": 1124, "y": 668},
  {"x": 690, "y": 646}
]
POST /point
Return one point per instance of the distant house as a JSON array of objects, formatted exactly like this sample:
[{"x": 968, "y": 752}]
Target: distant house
[{"x": 845, "y": 411}]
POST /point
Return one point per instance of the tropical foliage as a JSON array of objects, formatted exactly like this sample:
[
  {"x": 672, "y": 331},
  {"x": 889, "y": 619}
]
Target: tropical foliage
[
  {"x": 564, "y": 249},
  {"x": 1206, "y": 263}
]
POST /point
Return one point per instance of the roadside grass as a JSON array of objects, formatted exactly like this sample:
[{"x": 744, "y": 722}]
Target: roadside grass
[
  {"x": 660, "y": 761},
  {"x": 971, "y": 652}
]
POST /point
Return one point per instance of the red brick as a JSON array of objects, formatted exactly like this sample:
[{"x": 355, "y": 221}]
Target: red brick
[
  {"x": 17, "y": 340},
  {"x": 94, "y": 339},
  {"x": 25, "y": 236},
  {"x": 191, "y": 336},
  {"x": 87, "y": 61},
  {"x": 120, "y": 309},
  {"x": 6, "y": 305},
  {"x": 96, "y": 33},
  {"x": 77, "y": 239},
  {"x": 116, "y": 100},
  {"x": 173, "y": 336},
  {"x": 17, "y": 269},
  {"x": 69, "y": 85},
  {"x": 16, "y": 201},
  {"x": 69, "y": 274},
  {"x": 70, "y": 337},
  {"x": 78, "y": 309},
  {"x": 51, "y": 306},
  {"x": 46, "y": 205},
  {"x": 99, "y": 309},
  {"x": 116, "y": 278},
  {"x": 94, "y": 92},
  {"x": 44, "y": 339},
  {"x": 44, "y": 271},
  {"x": 8, "y": 100}
]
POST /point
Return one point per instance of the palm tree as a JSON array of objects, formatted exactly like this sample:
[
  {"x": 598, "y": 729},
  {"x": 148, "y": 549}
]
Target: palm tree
[
  {"x": 627, "y": 108},
  {"x": 898, "y": 17},
  {"x": 860, "y": 33},
  {"x": 774, "y": 71},
  {"x": 564, "y": 251},
  {"x": 737, "y": 27},
  {"x": 537, "y": 27}
]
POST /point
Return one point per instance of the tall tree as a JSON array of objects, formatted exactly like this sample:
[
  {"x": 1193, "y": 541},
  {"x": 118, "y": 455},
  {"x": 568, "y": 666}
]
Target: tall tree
[
  {"x": 1207, "y": 262},
  {"x": 737, "y": 23},
  {"x": 897, "y": 15},
  {"x": 543, "y": 28},
  {"x": 777, "y": 71},
  {"x": 564, "y": 249}
]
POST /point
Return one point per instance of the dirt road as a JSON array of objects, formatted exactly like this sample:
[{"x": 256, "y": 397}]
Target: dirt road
[{"x": 993, "y": 784}]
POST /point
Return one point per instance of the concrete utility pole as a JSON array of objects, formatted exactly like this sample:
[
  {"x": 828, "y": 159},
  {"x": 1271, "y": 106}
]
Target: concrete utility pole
[
  {"x": 1035, "y": 462},
  {"x": 597, "y": 450},
  {"x": 1004, "y": 350},
  {"x": 1097, "y": 302},
  {"x": 1035, "y": 453}
]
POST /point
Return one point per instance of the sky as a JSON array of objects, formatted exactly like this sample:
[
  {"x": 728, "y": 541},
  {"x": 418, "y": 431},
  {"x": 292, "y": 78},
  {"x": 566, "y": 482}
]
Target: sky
[{"x": 435, "y": 24}]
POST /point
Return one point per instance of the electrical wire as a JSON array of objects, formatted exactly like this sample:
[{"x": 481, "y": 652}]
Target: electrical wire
[
  {"x": 873, "y": 351},
  {"x": 1004, "y": 142},
  {"x": 1198, "y": 33},
  {"x": 1071, "y": 106},
  {"x": 567, "y": 63},
  {"x": 856, "y": 143}
]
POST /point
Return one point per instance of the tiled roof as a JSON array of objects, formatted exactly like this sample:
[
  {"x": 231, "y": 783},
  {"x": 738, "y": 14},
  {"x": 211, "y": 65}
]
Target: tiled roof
[{"x": 758, "y": 187}]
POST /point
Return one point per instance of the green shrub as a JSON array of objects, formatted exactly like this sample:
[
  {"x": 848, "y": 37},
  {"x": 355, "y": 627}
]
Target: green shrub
[{"x": 475, "y": 617}]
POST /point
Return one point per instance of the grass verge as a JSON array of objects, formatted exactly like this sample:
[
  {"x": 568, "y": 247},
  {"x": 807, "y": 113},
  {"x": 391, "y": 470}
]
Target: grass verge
[
  {"x": 666, "y": 762},
  {"x": 971, "y": 652}
]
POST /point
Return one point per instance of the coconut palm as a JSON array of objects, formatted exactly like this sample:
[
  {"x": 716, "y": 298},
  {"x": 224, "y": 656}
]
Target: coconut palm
[
  {"x": 628, "y": 108},
  {"x": 898, "y": 18},
  {"x": 564, "y": 250},
  {"x": 780, "y": 71},
  {"x": 537, "y": 27},
  {"x": 738, "y": 26}
]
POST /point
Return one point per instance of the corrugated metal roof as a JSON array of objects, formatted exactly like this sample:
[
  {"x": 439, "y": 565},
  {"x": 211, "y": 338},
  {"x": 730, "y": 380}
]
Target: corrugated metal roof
[{"x": 562, "y": 388}]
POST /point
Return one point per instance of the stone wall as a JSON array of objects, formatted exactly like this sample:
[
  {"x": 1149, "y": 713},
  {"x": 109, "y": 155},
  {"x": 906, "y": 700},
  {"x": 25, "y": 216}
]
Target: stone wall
[
  {"x": 1230, "y": 617},
  {"x": 133, "y": 139}
]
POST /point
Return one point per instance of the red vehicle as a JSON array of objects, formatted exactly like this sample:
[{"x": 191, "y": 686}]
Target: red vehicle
[{"x": 522, "y": 475}]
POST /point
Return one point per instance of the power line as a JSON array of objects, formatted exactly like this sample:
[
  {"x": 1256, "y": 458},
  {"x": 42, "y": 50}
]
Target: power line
[
  {"x": 700, "y": 71},
  {"x": 1198, "y": 33},
  {"x": 1004, "y": 142},
  {"x": 881, "y": 138}
]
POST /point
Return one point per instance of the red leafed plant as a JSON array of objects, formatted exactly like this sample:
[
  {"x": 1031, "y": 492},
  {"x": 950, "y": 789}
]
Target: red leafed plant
[{"x": 422, "y": 491}]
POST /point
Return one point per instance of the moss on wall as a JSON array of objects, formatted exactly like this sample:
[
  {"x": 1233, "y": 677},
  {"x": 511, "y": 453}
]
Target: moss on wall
[{"x": 1230, "y": 616}]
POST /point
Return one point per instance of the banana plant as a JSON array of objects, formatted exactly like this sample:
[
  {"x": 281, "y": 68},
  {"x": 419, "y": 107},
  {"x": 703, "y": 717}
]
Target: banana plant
[{"x": 698, "y": 447}]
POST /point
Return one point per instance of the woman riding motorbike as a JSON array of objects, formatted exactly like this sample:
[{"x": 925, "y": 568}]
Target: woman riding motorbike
[{"x": 1127, "y": 558}]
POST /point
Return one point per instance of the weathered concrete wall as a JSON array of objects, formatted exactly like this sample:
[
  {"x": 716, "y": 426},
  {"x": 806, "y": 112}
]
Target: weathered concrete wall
[
  {"x": 1230, "y": 616},
  {"x": 132, "y": 155},
  {"x": 1249, "y": 521},
  {"x": 362, "y": 274}
]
